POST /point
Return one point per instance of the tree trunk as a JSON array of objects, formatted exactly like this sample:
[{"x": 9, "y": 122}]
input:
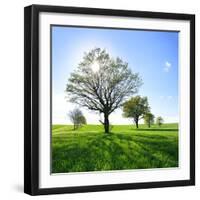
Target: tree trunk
[
  {"x": 106, "y": 123},
  {"x": 136, "y": 119},
  {"x": 136, "y": 123}
]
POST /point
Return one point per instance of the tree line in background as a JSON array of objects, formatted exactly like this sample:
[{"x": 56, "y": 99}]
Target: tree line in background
[
  {"x": 77, "y": 118},
  {"x": 102, "y": 84},
  {"x": 136, "y": 108}
]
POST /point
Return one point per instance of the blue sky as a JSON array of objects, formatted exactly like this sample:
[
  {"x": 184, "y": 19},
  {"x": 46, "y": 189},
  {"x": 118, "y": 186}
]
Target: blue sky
[{"x": 153, "y": 54}]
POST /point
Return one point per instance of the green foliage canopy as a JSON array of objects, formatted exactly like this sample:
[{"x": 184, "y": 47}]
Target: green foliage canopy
[
  {"x": 149, "y": 119},
  {"x": 77, "y": 118},
  {"x": 105, "y": 88},
  {"x": 136, "y": 108},
  {"x": 159, "y": 121}
]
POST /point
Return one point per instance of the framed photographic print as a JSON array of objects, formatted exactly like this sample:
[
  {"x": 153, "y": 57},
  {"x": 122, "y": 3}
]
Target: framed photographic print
[{"x": 109, "y": 99}]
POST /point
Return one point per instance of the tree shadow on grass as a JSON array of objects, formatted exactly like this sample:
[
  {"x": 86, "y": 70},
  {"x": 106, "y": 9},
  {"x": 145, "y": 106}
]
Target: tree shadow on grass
[
  {"x": 151, "y": 137},
  {"x": 156, "y": 129},
  {"x": 102, "y": 152},
  {"x": 99, "y": 153},
  {"x": 165, "y": 146},
  {"x": 107, "y": 152}
]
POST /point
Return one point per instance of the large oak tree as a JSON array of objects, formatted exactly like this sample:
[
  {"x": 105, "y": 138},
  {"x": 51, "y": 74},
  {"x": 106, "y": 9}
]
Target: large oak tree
[{"x": 101, "y": 83}]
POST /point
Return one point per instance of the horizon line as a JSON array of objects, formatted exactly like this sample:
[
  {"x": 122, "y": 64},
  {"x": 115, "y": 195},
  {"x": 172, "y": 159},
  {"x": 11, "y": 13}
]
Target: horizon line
[{"x": 116, "y": 124}]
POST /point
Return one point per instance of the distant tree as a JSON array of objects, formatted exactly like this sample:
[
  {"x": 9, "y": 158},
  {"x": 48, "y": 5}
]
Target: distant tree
[
  {"x": 77, "y": 118},
  {"x": 101, "y": 83},
  {"x": 136, "y": 108},
  {"x": 149, "y": 119},
  {"x": 83, "y": 120},
  {"x": 159, "y": 121}
]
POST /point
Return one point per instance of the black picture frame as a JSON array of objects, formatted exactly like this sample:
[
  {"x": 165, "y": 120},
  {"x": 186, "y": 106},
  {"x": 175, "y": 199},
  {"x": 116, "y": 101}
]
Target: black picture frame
[{"x": 31, "y": 98}]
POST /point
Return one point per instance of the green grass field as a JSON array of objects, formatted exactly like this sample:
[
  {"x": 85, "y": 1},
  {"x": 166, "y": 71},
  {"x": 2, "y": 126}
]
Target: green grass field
[{"x": 90, "y": 149}]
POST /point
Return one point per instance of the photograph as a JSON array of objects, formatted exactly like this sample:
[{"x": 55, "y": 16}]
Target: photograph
[
  {"x": 114, "y": 99},
  {"x": 109, "y": 99}
]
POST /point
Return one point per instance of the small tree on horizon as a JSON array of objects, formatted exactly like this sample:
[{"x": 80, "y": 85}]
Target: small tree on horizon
[
  {"x": 101, "y": 84},
  {"x": 77, "y": 118},
  {"x": 136, "y": 108},
  {"x": 149, "y": 119},
  {"x": 159, "y": 121},
  {"x": 83, "y": 120}
]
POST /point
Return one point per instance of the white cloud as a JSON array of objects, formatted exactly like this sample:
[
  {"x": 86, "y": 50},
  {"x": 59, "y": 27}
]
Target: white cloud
[
  {"x": 169, "y": 97},
  {"x": 167, "y": 66},
  {"x": 166, "y": 97},
  {"x": 161, "y": 97},
  {"x": 171, "y": 119}
]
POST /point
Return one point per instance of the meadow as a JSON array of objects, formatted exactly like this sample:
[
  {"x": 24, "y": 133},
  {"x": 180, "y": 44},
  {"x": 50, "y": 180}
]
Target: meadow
[{"x": 90, "y": 149}]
